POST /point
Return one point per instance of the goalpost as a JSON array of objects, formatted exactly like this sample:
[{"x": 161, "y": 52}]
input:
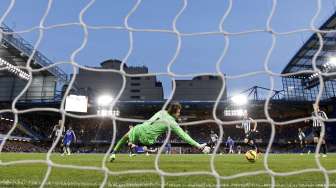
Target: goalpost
[{"x": 27, "y": 73}]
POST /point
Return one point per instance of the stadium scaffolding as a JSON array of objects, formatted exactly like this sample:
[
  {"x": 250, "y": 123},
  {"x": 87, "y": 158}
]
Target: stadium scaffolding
[
  {"x": 26, "y": 49},
  {"x": 304, "y": 86}
]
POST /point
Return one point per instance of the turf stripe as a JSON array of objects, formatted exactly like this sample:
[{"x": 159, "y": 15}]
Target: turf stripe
[{"x": 78, "y": 184}]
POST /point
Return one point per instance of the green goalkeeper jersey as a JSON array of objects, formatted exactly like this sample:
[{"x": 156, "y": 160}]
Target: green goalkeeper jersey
[{"x": 148, "y": 132}]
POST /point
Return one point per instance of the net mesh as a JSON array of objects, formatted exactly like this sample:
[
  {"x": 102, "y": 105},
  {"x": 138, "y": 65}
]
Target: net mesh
[{"x": 41, "y": 28}]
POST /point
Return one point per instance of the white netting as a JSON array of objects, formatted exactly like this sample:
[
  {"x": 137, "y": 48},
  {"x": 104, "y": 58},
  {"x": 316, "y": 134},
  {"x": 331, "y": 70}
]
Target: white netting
[{"x": 179, "y": 35}]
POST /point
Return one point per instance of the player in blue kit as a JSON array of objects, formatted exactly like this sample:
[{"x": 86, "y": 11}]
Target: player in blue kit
[{"x": 69, "y": 137}]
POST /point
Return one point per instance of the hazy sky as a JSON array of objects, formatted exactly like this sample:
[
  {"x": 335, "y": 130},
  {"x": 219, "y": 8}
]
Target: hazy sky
[{"x": 198, "y": 54}]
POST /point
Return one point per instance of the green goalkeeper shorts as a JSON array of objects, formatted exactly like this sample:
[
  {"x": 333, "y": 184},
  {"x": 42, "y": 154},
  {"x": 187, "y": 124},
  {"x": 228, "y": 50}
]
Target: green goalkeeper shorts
[
  {"x": 134, "y": 135},
  {"x": 138, "y": 137}
]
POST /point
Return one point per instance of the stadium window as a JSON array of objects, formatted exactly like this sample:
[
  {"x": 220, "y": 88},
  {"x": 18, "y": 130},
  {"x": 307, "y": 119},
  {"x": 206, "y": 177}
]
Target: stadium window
[
  {"x": 135, "y": 84},
  {"x": 235, "y": 112},
  {"x": 135, "y": 97},
  {"x": 158, "y": 84},
  {"x": 135, "y": 90},
  {"x": 135, "y": 78},
  {"x": 213, "y": 78}
]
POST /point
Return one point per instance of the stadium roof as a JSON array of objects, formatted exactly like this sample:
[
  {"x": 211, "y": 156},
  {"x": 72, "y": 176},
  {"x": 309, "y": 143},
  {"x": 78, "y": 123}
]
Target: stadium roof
[
  {"x": 302, "y": 60},
  {"x": 19, "y": 47}
]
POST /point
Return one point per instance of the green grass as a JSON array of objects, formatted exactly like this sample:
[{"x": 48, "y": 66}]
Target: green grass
[{"x": 31, "y": 175}]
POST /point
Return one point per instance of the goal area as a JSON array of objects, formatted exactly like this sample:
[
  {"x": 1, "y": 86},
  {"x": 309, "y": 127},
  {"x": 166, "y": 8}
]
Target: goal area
[{"x": 100, "y": 68}]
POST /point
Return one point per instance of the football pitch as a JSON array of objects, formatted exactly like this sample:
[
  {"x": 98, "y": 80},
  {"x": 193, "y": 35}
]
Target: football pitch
[{"x": 228, "y": 166}]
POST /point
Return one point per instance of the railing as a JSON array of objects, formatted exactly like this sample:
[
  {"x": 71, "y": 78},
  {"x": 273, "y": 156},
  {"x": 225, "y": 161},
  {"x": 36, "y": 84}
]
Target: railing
[
  {"x": 27, "y": 49},
  {"x": 258, "y": 93},
  {"x": 25, "y": 128}
]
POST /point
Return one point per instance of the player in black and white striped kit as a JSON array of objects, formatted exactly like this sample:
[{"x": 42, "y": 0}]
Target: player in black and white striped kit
[
  {"x": 57, "y": 131},
  {"x": 317, "y": 124},
  {"x": 249, "y": 131},
  {"x": 213, "y": 140},
  {"x": 302, "y": 140}
]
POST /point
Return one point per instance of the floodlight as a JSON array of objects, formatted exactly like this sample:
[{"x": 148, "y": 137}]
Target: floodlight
[
  {"x": 104, "y": 100},
  {"x": 108, "y": 112},
  {"x": 239, "y": 100},
  {"x": 332, "y": 61}
]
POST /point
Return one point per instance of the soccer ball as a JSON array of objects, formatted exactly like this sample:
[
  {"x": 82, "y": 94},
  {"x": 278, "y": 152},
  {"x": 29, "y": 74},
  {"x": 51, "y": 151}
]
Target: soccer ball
[
  {"x": 251, "y": 156},
  {"x": 206, "y": 149}
]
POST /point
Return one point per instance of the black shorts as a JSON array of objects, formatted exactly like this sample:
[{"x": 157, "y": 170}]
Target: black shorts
[
  {"x": 302, "y": 141},
  {"x": 317, "y": 131},
  {"x": 250, "y": 136},
  {"x": 212, "y": 143}
]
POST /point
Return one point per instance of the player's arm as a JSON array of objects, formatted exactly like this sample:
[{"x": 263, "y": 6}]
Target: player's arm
[
  {"x": 324, "y": 115},
  {"x": 254, "y": 124},
  {"x": 74, "y": 136},
  {"x": 308, "y": 120},
  {"x": 183, "y": 135},
  {"x": 52, "y": 133}
]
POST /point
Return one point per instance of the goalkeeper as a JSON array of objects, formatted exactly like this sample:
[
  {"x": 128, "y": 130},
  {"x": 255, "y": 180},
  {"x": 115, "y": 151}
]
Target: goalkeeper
[{"x": 146, "y": 133}]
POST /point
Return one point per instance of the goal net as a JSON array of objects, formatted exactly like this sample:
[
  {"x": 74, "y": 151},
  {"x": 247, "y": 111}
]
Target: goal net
[{"x": 277, "y": 55}]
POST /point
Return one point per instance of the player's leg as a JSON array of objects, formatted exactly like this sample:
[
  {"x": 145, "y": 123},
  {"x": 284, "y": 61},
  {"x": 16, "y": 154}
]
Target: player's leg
[
  {"x": 301, "y": 147},
  {"x": 152, "y": 150},
  {"x": 250, "y": 142},
  {"x": 68, "y": 148},
  {"x": 246, "y": 141},
  {"x": 215, "y": 144},
  {"x": 120, "y": 143},
  {"x": 324, "y": 147},
  {"x": 132, "y": 149},
  {"x": 324, "y": 144},
  {"x": 146, "y": 150},
  {"x": 63, "y": 148},
  {"x": 253, "y": 137},
  {"x": 304, "y": 145},
  {"x": 59, "y": 145},
  {"x": 316, "y": 138},
  {"x": 253, "y": 145},
  {"x": 129, "y": 138},
  {"x": 149, "y": 150},
  {"x": 168, "y": 149},
  {"x": 210, "y": 144}
]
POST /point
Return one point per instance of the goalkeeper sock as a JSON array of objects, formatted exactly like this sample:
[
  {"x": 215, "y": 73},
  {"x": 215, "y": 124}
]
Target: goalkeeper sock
[
  {"x": 131, "y": 150},
  {"x": 324, "y": 148},
  {"x": 120, "y": 143}
]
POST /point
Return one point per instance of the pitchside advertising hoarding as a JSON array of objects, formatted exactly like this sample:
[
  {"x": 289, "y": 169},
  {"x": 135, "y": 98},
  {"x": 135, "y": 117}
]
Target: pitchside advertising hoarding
[{"x": 76, "y": 103}]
